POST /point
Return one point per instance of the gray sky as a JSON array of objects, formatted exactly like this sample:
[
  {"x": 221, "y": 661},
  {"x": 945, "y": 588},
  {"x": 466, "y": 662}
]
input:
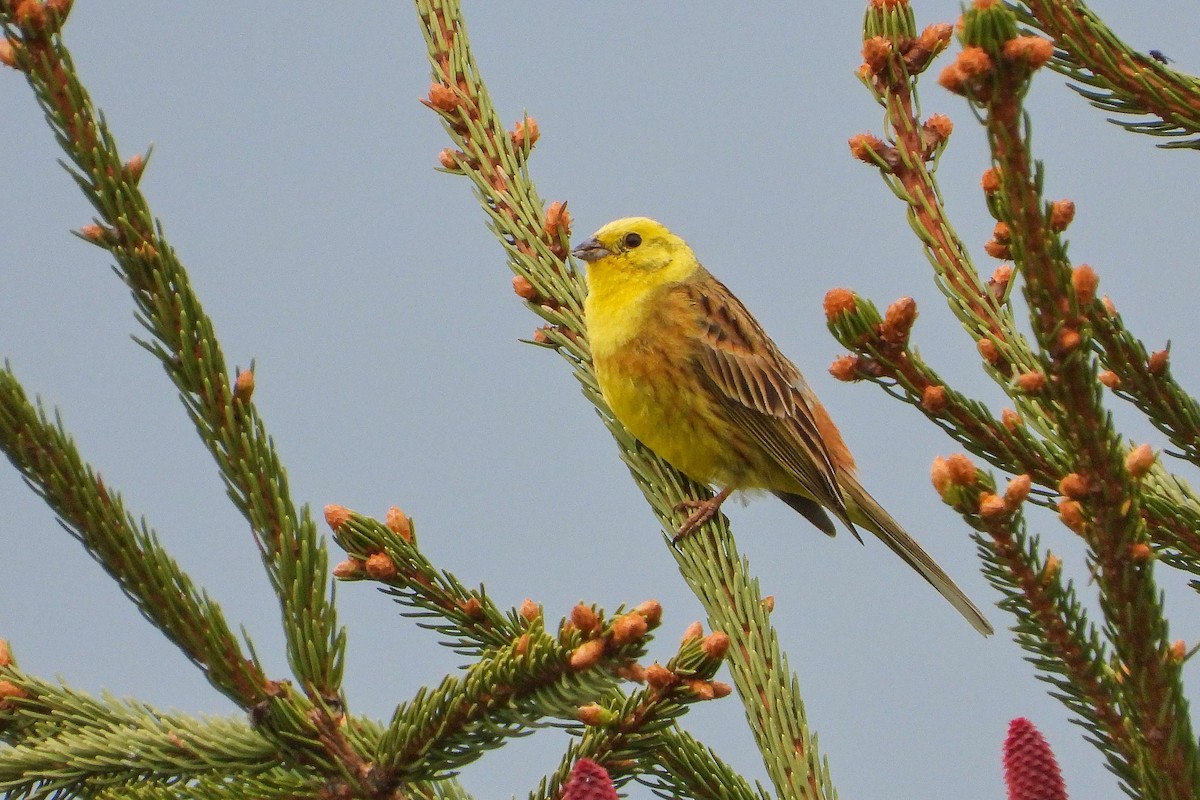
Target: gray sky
[{"x": 293, "y": 172}]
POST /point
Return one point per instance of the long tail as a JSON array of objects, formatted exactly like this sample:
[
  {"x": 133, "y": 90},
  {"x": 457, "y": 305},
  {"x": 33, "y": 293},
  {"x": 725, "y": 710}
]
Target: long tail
[{"x": 865, "y": 511}]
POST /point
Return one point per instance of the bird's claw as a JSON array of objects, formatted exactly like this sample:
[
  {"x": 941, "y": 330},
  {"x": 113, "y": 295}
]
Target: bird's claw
[{"x": 702, "y": 512}]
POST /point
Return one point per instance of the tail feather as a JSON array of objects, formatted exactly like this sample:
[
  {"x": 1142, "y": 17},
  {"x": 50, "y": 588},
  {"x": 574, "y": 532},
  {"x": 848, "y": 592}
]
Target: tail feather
[{"x": 866, "y": 512}]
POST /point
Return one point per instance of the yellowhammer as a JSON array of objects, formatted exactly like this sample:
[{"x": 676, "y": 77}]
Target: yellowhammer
[{"x": 689, "y": 372}]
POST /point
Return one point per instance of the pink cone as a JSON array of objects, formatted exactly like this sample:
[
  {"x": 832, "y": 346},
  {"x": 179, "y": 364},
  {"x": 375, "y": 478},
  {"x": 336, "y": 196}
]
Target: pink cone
[
  {"x": 589, "y": 781},
  {"x": 1030, "y": 770}
]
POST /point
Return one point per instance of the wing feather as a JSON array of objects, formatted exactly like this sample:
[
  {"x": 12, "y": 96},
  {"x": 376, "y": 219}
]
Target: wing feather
[{"x": 763, "y": 391}]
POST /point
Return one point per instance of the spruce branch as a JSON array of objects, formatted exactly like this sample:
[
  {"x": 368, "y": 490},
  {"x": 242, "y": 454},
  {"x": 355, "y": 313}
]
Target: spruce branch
[
  {"x": 536, "y": 243},
  {"x": 1122, "y": 80},
  {"x": 127, "y": 549},
  {"x": 184, "y": 341}
]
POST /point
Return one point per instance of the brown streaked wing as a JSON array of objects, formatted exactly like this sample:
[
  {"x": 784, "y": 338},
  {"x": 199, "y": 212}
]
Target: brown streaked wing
[{"x": 759, "y": 386}]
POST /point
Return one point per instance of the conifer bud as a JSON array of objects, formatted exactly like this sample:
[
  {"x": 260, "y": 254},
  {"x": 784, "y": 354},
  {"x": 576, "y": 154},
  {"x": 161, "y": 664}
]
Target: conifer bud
[
  {"x": 991, "y": 505},
  {"x": 1074, "y": 486},
  {"x": 933, "y": 399},
  {"x": 1139, "y": 461},
  {"x": 632, "y": 671},
  {"x": 447, "y": 158},
  {"x": 845, "y": 368},
  {"x": 651, "y": 611},
  {"x": 1011, "y": 420},
  {"x": 441, "y": 98},
  {"x": 715, "y": 645},
  {"x": 1084, "y": 281},
  {"x": 1110, "y": 308},
  {"x": 243, "y": 386},
  {"x": 9, "y": 691},
  {"x": 939, "y": 127},
  {"x": 628, "y": 628},
  {"x": 998, "y": 283},
  {"x": 658, "y": 676},
  {"x": 351, "y": 569},
  {"x": 692, "y": 632},
  {"x": 1070, "y": 512},
  {"x": 875, "y": 53},
  {"x": 1017, "y": 490},
  {"x": 530, "y": 610},
  {"x": 380, "y": 567},
  {"x": 1067, "y": 340},
  {"x": 587, "y": 655},
  {"x": 6, "y": 658},
  {"x": 585, "y": 620},
  {"x": 558, "y": 220},
  {"x": 838, "y": 302},
  {"x": 1158, "y": 361},
  {"x": 1062, "y": 213},
  {"x": 1140, "y": 551},
  {"x": 525, "y": 133},
  {"x": 1051, "y": 569},
  {"x": 768, "y": 603},
  {"x": 593, "y": 715},
  {"x": 898, "y": 321},
  {"x": 398, "y": 523},
  {"x": 1178, "y": 651},
  {"x": 997, "y": 250},
  {"x": 1031, "y": 382},
  {"x": 523, "y": 288},
  {"x": 990, "y": 182},
  {"x": 720, "y": 689},
  {"x": 336, "y": 516},
  {"x": 989, "y": 351},
  {"x": 701, "y": 688},
  {"x": 472, "y": 608},
  {"x": 8, "y": 53},
  {"x": 1110, "y": 379},
  {"x": 1032, "y": 50}
]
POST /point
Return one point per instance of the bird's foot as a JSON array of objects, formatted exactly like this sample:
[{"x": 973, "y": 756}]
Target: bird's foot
[{"x": 702, "y": 512}]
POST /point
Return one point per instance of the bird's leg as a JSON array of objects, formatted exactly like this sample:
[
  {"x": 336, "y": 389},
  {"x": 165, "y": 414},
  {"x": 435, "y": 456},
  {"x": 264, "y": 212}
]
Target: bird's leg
[{"x": 703, "y": 511}]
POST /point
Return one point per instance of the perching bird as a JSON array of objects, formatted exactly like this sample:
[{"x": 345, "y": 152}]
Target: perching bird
[{"x": 689, "y": 372}]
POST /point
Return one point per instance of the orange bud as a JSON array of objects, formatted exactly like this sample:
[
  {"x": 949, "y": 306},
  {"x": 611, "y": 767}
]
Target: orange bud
[
  {"x": 768, "y": 603},
  {"x": 990, "y": 182},
  {"x": 940, "y": 126},
  {"x": 336, "y": 516},
  {"x": 558, "y": 219},
  {"x": 1110, "y": 307},
  {"x": 447, "y": 159},
  {"x": 933, "y": 399},
  {"x": 839, "y": 301},
  {"x": 1140, "y": 551},
  {"x": 530, "y": 610},
  {"x": 940, "y": 475},
  {"x": 243, "y": 386},
  {"x": 989, "y": 351},
  {"x": 592, "y": 714},
  {"x": 1110, "y": 379},
  {"x": 628, "y": 628},
  {"x": 380, "y": 567},
  {"x": 845, "y": 368},
  {"x": 584, "y": 618},
  {"x": 651, "y": 611},
  {"x": 472, "y": 608},
  {"x": 1139, "y": 461},
  {"x": 442, "y": 98},
  {"x": 1084, "y": 281},
  {"x": 715, "y": 645},
  {"x": 1033, "y": 50},
  {"x": 702, "y": 689},
  {"x": 973, "y": 61},
  {"x": 10, "y": 691},
  {"x": 898, "y": 321},
  {"x": 632, "y": 671},
  {"x": 1011, "y": 419},
  {"x": 1017, "y": 490},
  {"x": 1158, "y": 361},
  {"x": 1031, "y": 382},
  {"x": 693, "y": 631},
  {"x": 991, "y": 505},
  {"x": 93, "y": 233},
  {"x": 523, "y": 288},
  {"x": 6, "y": 658},
  {"x": 867, "y": 147},
  {"x": 587, "y": 655},
  {"x": 1062, "y": 213},
  {"x": 1178, "y": 651},
  {"x": 349, "y": 570},
  {"x": 1051, "y": 569},
  {"x": 134, "y": 167},
  {"x": 522, "y": 645},
  {"x": 1067, "y": 340},
  {"x": 8, "y": 53},
  {"x": 1001, "y": 232},
  {"x": 962, "y": 471},
  {"x": 1071, "y": 514},
  {"x": 875, "y": 53},
  {"x": 997, "y": 249},
  {"x": 1074, "y": 486},
  {"x": 399, "y": 523},
  {"x": 525, "y": 133},
  {"x": 951, "y": 79},
  {"x": 658, "y": 676},
  {"x": 720, "y": 689}
]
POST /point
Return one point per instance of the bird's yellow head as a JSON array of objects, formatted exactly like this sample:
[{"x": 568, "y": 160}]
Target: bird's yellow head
[{"x": 634, "y": 255}]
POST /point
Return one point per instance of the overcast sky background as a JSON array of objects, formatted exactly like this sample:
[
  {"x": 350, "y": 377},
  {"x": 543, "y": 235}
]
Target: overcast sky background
[{"x": 293, "y": 171}]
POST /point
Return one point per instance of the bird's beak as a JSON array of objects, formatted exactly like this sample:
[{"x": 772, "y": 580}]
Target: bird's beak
[{"x": 590, "y": 251}]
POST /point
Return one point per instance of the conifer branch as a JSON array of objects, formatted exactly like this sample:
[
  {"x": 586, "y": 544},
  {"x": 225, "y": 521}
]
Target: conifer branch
[
  {"x": 127, "y": 549},
  {"x": 184, "y": 341},
  {"x": 536, "y": 244},
  {"x": 1123, "y": 80}
]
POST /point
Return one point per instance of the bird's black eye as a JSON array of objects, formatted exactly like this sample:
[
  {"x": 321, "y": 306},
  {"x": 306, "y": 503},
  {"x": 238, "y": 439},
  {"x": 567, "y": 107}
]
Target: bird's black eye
[{"x": 632, "y": 239}]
